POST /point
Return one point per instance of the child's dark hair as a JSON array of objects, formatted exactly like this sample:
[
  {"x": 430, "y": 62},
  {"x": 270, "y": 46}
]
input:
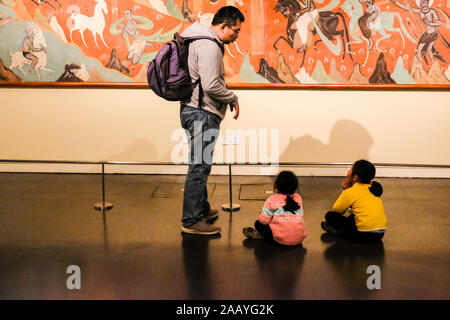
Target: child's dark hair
[
  {"x": 287, "y": 183},
  {"x": 365, "y": 171}
]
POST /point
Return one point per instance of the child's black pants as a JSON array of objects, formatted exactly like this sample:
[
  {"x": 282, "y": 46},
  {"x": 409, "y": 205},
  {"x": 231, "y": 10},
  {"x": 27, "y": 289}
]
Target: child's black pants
[
  {"x": 264, "y": 229},
  {"x": 346, "y": 226}
]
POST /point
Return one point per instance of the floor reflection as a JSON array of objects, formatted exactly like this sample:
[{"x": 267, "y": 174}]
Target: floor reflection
[
  {"x": 279, "y": 266},
  {"x": 197, "y": 265},
  {"x": 351, "y": 261}
]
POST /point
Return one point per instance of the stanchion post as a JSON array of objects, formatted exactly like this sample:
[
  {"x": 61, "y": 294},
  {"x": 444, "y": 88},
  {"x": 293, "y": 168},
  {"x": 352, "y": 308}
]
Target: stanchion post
[
  {"x": 103, "y": 186},
  {"x": 230, "y": 206},
  {"x": 103, "y": 205},
  {"x": 231, "y": 186}
]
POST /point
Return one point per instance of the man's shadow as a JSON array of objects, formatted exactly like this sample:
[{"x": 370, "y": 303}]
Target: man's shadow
[
  {"x": 279, "y": 265},
  {"x": 348, "y": 141},
  {"x": 196, "y": 265},
  {"x": 350, "y": 261}
]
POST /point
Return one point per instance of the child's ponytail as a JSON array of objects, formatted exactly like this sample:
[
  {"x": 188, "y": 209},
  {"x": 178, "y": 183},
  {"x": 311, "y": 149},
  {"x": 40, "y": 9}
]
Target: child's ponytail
[
  {"x": 286, "y": 183},
  {"x": 290, "y": 205},
  {"x": 376, "y": 189}
]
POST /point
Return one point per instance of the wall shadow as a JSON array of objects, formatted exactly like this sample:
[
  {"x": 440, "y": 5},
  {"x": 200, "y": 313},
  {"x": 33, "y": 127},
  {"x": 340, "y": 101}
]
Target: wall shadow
[
  {"x": 348, "y": 141},
  {"x": 139, "y": 150}
]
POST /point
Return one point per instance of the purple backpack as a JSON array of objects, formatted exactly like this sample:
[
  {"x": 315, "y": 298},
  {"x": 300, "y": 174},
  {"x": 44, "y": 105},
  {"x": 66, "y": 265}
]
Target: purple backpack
[{"x": 168, "y": 74}]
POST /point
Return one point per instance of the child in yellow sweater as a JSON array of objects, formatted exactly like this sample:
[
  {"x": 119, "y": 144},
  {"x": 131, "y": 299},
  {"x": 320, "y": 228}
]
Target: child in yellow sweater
[{"x": 367, "y": 222}]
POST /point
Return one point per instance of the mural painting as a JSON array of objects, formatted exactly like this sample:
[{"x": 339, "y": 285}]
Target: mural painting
[{"x": 323, "y": 42}]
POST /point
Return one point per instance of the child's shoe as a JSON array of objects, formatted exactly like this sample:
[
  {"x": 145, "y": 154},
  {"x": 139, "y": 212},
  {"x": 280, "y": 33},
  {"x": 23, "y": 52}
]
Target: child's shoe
[
  {"x": 325, "y": 226},
  {"x": 251, "y": 233}
]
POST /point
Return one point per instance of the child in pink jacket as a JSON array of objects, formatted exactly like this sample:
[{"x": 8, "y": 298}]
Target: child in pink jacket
[{"x": 281, "y": 218}]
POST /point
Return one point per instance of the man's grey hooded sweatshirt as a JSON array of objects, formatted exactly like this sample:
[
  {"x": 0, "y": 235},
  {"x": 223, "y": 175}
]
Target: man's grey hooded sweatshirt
[{"x": 205, "y": 61}]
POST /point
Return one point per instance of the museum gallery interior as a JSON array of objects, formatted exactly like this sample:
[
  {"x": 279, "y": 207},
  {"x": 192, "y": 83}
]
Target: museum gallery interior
[{"x": 93, "y": 164}]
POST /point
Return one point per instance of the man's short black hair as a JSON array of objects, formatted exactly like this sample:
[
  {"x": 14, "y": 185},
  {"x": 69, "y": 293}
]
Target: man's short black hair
[{"x": 228, "y": 15}]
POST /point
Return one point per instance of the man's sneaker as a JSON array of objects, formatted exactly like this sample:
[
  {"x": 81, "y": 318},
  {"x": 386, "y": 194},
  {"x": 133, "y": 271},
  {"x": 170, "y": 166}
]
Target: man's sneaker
[
  {"x": 251, "y": 233},
  {"x": 326, "y": 227},
  {"x": 201, "y": 228},
  {"x": 211, "y": 214}
]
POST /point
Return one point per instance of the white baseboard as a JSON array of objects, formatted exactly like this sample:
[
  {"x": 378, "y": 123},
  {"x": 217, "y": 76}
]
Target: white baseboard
[{"x": 404, "y": 172}]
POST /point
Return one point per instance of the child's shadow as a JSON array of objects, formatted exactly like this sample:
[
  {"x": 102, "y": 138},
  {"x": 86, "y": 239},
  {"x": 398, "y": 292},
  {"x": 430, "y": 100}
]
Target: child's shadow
[
  {"x": 350, "y": 260},
  {"x": 280, "y": 266}
]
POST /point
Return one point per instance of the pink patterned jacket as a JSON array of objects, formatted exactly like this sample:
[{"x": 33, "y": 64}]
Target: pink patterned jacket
[{"x": 288, "y": 228}]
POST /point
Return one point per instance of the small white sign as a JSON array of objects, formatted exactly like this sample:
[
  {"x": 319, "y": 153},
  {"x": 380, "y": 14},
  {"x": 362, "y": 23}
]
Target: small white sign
[{"x": 231, "y": 140}]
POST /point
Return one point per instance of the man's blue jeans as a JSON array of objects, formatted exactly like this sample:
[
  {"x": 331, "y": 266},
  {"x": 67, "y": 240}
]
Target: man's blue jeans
[{"x": 202, "y": 130}]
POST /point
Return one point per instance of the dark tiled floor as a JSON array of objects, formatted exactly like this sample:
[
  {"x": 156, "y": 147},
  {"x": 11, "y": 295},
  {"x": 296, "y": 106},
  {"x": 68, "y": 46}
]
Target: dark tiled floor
[{"x": 48, "y": 222}]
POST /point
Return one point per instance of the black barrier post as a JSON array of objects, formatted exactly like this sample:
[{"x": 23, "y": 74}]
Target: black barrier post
[
  {"x": 229, "y": 206},
  {"x": 103, "y": 205}
]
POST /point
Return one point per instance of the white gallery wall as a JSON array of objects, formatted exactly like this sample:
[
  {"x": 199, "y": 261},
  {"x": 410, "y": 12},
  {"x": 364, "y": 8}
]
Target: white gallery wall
[{"x": 400, "y": 127}]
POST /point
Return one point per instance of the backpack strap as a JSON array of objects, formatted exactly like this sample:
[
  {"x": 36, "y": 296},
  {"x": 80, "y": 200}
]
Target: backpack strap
[
  {"x": 190, "y": 39},
  {"x": 200, "y": 92}
]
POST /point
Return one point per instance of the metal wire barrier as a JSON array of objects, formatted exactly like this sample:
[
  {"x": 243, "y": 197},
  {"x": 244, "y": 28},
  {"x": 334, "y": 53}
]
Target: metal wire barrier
[{"x": 226, "y": 207}]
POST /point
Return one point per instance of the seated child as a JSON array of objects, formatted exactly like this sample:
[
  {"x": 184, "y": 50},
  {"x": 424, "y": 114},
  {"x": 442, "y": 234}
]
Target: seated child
[
  {"x": 367, "y": 222},
  {"x": 281, "y": 218}
]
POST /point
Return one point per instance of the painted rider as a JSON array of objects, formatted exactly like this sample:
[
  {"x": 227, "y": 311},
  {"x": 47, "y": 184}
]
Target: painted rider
[
  {"x": 304, "y": 22},
  {"x": 431, "y": 20},
  {"x": 28, "y": 48}
]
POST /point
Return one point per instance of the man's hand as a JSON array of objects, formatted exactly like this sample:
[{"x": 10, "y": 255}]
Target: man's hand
[{"x": 236, "y": 112}]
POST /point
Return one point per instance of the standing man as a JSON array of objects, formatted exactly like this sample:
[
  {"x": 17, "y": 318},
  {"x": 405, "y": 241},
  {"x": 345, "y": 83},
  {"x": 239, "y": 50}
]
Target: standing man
[{"x": 202, "y": 113}]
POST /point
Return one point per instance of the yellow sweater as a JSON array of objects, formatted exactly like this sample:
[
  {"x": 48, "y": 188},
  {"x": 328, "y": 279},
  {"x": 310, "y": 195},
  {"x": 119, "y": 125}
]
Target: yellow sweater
[{"x": 367, "y": 208}]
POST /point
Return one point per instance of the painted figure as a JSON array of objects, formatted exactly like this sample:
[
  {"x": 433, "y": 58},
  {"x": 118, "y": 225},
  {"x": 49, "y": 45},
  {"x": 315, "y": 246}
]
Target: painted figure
[
  {"x": 304, "y": 24},
  {"x": 304, "y": 21},
  {"x": 137, "y": 48},
  {"x": 432, "y": 22},
  {"x": 33, "y": 51},
  {"x": 363, "y": 25},
  {"x": 28, "y": 48},
  {"x": 368, "y": 17}
]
